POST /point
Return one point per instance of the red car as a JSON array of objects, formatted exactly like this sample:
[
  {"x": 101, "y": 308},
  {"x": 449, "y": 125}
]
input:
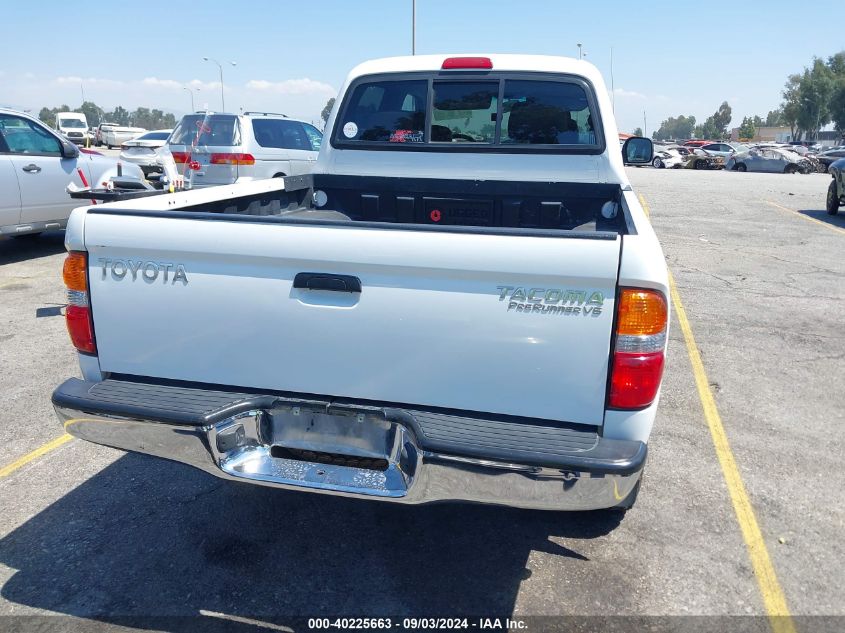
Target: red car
[{"x": 696, "y": 143}]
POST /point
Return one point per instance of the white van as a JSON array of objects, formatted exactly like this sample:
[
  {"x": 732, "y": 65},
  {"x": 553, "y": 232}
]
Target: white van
[{"x": 73, "y": 125}]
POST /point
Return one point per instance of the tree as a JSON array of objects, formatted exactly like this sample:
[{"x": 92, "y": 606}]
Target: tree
[
  {"x": 675, "y": 128},
  {"x": 814, "y": 92},
  {"x": 774, "y": 118},
  {"x": 48, "y": 116},
  {"x": 91, "y": 112},
  {"x": 327, "y": 110},
  {"x": 837, "y": 107},
  {"x": 722, "y": 119},
  {"x": 747, "y": 130},
  {"x": 119, "y": 115},
  {"x": 638, "y": 131}
]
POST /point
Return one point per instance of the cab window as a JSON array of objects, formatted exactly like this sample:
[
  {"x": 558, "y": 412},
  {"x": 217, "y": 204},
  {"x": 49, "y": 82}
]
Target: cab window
[
  {"x": 546, "y": 113},
  {"x": 385, "y": 112}
]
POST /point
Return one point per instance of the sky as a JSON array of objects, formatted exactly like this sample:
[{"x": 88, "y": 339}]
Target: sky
[{"x": 669, "y": 58}]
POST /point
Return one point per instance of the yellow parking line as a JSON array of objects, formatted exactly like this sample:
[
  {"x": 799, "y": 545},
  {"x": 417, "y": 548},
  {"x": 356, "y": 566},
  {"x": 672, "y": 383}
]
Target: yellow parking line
[
  {"x": 806, "y": 217},
  {"x": 645, "y": 207},
  {"x": 38, "y": 452},
  {"x": 774, "y": 599}
]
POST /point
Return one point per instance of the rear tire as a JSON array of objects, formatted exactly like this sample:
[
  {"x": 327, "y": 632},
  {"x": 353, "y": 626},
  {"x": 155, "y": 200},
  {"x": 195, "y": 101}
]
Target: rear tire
[
  {"x": 740, "y": 167},
  {"x": 832, "y": 199},
  {"x": 790, "y": 169},
  {"x": 657, "y": 163},
  {"x": 700, "y": 164}
]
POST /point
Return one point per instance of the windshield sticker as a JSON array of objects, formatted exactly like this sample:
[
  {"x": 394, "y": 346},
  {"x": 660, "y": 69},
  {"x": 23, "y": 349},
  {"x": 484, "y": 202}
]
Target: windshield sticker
[
  {"x": 350, "y": 130},
  {"x": 406, "y": 136}
]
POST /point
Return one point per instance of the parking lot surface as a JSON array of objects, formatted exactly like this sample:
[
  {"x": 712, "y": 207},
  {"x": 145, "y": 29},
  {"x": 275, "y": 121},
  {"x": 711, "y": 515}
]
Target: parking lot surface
[{"x": 96, "y": 533}]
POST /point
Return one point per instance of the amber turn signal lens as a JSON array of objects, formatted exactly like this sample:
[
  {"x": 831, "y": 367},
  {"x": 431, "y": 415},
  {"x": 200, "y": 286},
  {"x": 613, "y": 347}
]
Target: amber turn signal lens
[
  {"x": 641, "y": 312},
  {"x": 75, "y": 272}
]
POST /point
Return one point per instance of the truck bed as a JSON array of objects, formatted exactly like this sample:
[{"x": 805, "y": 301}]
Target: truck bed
[{"x": 486, "y": 206}]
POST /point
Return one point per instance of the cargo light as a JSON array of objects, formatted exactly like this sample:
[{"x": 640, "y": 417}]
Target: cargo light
[
  {"x": 80, "y": 325},
  {"x": 467, "y": 63},
  {"x": 642, "y": 317},
  {"x": 232, "y": 159}
]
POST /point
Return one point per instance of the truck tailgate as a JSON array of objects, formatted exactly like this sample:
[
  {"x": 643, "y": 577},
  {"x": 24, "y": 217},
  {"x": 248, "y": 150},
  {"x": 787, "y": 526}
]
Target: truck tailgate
[{"x": 508, "y": 324}]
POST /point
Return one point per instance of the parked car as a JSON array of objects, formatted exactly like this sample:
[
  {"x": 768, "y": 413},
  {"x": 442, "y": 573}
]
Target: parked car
[
  {"x": 696, "y": 143},
  {"x": 100, "y": 132},
  {"x": 836, "y": 189},
  {"x": 36, "y": 167},
  {"x": 73, "y": 125},
  {"x": 718, "y": 149},
  {"x": 143, "y": 150},
  {"x": 830, "y": 156},
  {"x": 339, "y": 347},
  {"x": 702, "y": 159},
  {"x": 767, "y": 160},
  {"x": 667, "y": 159},
  {"x": 229, "y": 148},
  {"x": 117, "y": 135}
]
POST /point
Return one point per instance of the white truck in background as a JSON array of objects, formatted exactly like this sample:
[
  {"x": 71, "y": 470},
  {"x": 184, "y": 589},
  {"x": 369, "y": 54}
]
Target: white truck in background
[
  {"x": 465, "y": 301},
  {"x": 73, "y": 125}
]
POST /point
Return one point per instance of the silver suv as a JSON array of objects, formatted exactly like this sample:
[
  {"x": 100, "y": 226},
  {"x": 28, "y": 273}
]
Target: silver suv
[{"x": 226, "y": 148}]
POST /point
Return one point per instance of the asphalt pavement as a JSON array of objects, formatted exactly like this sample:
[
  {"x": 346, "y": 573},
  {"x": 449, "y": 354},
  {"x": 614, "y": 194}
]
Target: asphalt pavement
[{"x": 95, "y": 533}]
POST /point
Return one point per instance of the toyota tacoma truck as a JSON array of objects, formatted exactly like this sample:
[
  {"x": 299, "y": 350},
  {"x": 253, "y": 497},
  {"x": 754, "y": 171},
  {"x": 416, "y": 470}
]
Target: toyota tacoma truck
[{"x": 464, "y": 301}]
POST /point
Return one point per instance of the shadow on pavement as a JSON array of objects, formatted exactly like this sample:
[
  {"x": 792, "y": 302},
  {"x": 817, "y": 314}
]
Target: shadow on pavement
[
  {"x": 13, "y": 250},
  {"x": 149, "y": 537},
  {"x": 823, "y": 216}
]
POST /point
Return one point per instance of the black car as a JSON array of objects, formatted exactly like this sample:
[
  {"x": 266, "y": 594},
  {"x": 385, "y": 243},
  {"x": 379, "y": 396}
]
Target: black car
[
  {"x": 836, "y": 190},
  {"x": 831, "y": 155}
]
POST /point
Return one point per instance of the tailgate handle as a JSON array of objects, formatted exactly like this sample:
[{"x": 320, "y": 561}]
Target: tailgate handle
[{"x": 327, "y": 281}]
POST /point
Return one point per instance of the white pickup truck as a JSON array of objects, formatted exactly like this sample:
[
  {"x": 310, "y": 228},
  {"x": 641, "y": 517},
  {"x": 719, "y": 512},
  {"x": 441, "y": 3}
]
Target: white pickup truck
[{"x": 464, "y": 302}]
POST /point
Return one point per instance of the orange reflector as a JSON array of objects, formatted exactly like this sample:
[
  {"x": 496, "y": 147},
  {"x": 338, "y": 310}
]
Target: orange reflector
[
  {"x": 641, "y": 312},
  {"x": 75, "y": 272}
]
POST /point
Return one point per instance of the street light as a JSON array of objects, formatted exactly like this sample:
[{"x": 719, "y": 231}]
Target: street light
[
  {"x": 191, "y": 91},
  {"x": 220, "y": 66},
  {"x": 579, "y": 51}
]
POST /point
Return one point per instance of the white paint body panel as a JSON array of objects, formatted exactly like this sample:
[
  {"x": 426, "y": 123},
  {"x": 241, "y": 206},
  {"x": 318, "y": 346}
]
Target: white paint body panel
[{"x": 428, "y": 329}]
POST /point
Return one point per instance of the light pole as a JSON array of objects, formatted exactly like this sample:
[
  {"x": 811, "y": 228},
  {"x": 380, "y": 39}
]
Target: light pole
[
  {"x": 413, "y": 27},
  {"x": 191, "y": 92},
  {"x": 220, "y": 66},
  {"x": 579, "y": 51}
]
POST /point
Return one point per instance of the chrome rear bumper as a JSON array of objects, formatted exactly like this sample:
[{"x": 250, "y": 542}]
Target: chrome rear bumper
[{"x": 353, "y": 451}]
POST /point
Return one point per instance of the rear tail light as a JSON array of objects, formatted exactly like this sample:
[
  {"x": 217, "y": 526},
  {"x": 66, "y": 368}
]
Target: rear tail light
[
  {"x": 180, "y": 157},
  {"x": 641, "y": 322},
  {"x": 232, "y": 159},
  {"x": 80, "y": 325},
  {"x": 467, "y": 63}
]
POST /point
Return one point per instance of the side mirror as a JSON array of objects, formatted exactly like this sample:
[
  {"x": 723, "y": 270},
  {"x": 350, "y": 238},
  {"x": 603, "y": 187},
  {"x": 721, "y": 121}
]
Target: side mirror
[
  {"x": 69, "y": 150},
  {"x": 637, "y": 150}
]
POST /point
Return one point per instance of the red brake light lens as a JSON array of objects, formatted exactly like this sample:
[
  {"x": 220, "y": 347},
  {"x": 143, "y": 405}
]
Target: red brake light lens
[
  {"x": 467, "y": 63},
  {"x": 81, "y": 328},
  {"x": 635, "y": 379},
  {"x": 180, "y": 157}
]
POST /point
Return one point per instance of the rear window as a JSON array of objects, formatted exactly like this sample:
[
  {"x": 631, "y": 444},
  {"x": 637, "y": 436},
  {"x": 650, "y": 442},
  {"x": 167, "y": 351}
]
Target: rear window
[
  {"x": 154, "y": 136},
  {"x": 283, "y": 134},
  {"x": 214, "y": 130},
  {"x": 509, "y": 113}
]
